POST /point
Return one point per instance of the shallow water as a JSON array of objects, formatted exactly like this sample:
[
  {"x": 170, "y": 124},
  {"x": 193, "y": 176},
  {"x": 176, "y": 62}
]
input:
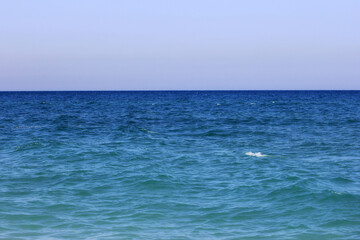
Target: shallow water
[{"x": 174, "y": 165}]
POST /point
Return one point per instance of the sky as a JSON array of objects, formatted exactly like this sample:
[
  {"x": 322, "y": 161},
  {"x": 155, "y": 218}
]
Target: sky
[{"x": 179, "y": 45}]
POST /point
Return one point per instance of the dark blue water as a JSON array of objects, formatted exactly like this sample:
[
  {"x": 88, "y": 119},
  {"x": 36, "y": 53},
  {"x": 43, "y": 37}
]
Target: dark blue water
[{"x": 180, "y": 165}]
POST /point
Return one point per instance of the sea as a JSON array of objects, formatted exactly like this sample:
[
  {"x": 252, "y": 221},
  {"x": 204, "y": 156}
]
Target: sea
[{"x": 180, "y": 165}]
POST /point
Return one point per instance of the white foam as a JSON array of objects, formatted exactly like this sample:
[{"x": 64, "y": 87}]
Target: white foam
[{"x": 258, "y": 154}]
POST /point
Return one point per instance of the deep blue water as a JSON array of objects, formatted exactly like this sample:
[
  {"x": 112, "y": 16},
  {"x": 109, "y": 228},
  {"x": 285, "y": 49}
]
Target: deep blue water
[{"x": 173, "y": 165}]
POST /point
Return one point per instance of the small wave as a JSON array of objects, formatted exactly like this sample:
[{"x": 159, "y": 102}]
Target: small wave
[
  {"x": 258, "y": 154},
  {"x": 148, "y": 131},
  {"x": 28, "y": 146},
  {"x": 28, "y": 127}
]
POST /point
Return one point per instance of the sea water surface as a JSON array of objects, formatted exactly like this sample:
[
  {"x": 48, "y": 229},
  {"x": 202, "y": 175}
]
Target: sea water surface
[{"x": 180, "y": 165}]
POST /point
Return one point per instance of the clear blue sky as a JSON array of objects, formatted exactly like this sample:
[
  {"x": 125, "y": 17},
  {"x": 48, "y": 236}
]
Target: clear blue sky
[{"x": 179, "y": 44}]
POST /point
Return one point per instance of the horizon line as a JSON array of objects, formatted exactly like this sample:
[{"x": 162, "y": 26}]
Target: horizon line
[{"x": 185, "y": 90}]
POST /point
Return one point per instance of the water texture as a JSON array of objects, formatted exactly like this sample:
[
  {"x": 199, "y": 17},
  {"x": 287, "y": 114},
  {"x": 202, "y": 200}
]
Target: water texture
[{"x": 180, "y": 165}]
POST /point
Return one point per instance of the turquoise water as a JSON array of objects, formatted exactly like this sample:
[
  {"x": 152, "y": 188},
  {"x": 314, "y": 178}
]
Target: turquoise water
[{"x": 180, "y": 165}]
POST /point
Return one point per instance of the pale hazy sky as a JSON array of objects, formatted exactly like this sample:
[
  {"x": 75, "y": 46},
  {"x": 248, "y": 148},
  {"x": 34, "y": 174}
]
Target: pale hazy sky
[{"x": 179, "y": 44}]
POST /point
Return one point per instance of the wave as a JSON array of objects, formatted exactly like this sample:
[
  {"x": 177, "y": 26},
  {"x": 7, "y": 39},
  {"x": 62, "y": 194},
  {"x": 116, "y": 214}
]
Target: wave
[{"x": 258, "y": 154}]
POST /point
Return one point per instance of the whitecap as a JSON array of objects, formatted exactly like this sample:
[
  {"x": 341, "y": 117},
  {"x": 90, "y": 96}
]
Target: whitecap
[{"x": 258, "y": 154}]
